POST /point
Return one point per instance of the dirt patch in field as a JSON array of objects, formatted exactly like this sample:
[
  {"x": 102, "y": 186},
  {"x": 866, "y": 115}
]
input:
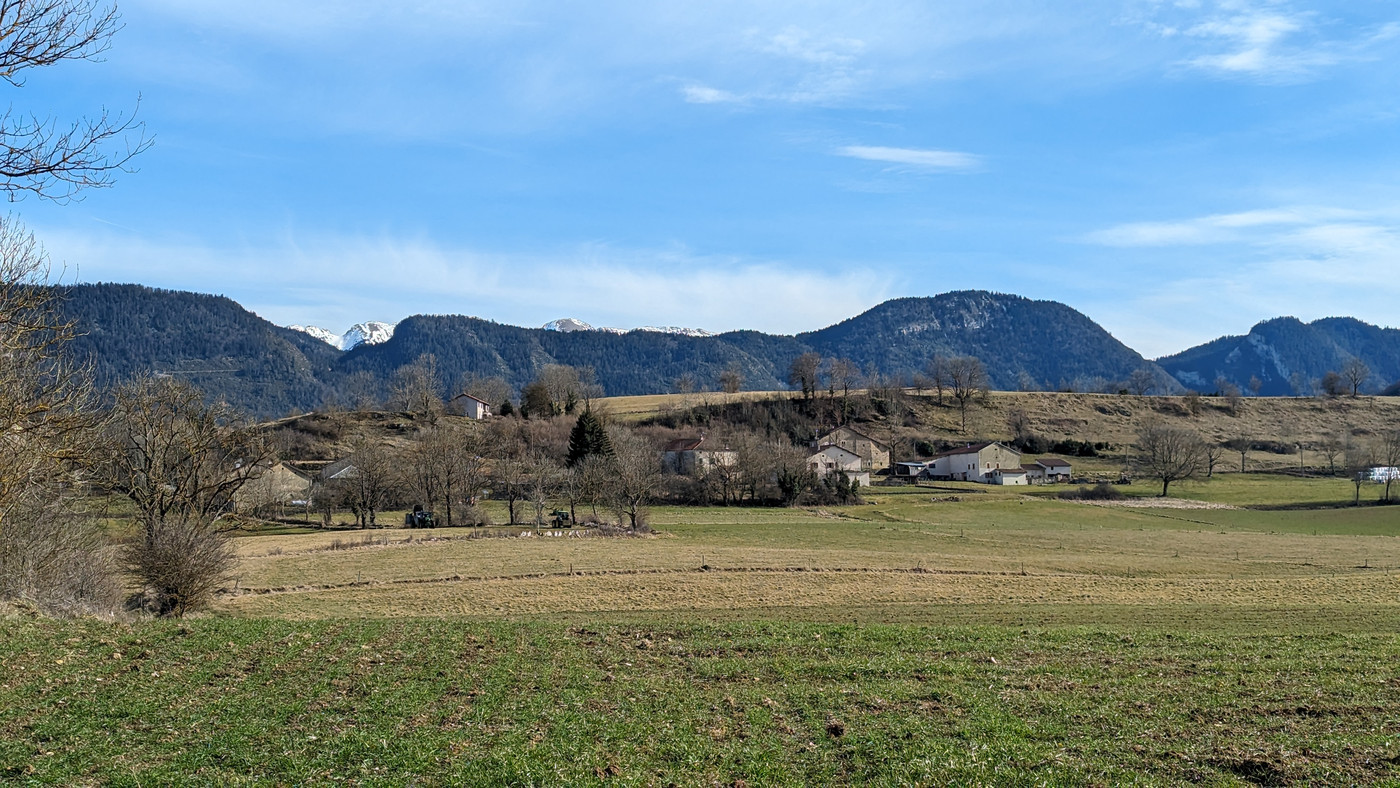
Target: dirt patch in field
[{"x": 1158, "y": 503}]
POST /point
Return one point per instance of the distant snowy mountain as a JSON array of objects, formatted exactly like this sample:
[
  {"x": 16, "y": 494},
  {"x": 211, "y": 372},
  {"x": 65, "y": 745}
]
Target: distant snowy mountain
[
  {"x": 329, "y": 337},
  {"x": 568, "y": 324},
  {"x": 371, "y": 332}
]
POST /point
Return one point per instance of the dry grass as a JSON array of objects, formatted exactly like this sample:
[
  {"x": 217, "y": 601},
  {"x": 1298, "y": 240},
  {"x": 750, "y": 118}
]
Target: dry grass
[{"x": 907, "y": 552}]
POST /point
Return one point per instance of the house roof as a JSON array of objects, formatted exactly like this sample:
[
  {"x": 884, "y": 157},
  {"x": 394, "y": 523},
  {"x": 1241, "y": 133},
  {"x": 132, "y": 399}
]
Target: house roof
[
  {"x": 831, "y": 446},
  {"x": 464, "y": 395},
  {"x": 1005, "y": 471},
  {"x": 879, "y": 443},
  {"x": 1029, "y": 468},
  {"x": 684, "y": 444},
  {"x": 340, "y": 469},
  {"x": 1053, "y": 462},
  {"x": 975, "y": 448}
]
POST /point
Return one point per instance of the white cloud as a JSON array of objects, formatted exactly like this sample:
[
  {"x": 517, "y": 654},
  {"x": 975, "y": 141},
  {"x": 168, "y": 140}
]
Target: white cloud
[
  {"x": 702, "y": 94},
  {"x": 1263, "y": 40},
  {"x": 334, "y": 282},
  {"x": 913, "y": 157},
  {"x": 1216, "y": 228}
]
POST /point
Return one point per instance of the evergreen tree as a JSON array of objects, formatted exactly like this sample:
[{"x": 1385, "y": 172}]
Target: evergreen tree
[{"x": 588, "y": 438}]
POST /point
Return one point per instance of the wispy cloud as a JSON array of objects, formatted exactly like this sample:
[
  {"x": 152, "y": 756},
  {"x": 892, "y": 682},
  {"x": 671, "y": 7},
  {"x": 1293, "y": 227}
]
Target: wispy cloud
[
  {"x": 703, "y": 94},
  {"x": 1264, "y": 40},
  {"x": 1217, "y": 228},
  {"x": 915, "y": 158}
]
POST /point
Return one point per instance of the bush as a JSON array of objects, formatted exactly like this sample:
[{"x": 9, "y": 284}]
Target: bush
[
  {"x": 57, "y": 562},
  {"x": 1103, "y": 491},
  {"x": 1074, "y": 448},
  {"x": 181, "y": 565},
  {"x": 1031, "y": 444},
  {"x": 471, "y": 515}
]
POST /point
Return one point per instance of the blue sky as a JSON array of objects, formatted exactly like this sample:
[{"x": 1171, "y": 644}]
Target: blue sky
[{"x": 1175, "y": 170}]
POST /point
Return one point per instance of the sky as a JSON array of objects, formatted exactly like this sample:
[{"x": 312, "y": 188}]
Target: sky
[{"x": 1176, "y": 171}]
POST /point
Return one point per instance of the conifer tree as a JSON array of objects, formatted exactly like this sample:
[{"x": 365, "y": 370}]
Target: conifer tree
[{"x": 588, "y": 438}]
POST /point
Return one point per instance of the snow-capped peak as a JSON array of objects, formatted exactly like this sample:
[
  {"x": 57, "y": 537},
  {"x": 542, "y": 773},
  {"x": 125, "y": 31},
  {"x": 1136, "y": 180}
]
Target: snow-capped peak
[
  {"x": 329, "y": 337},
  {"x": 368, "y": 333},
  {"x": 567, "y": 324},
  {"x": 371, "y": 332}
]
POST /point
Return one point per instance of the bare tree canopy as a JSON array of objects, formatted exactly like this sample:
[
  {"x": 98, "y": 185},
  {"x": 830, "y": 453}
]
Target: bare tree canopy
[
  {"x": 968, "y": 379},
  {"x": 175, "y": 457},
  {"x": 1169, "y": 453},
  {"x": 47, "y": 554},
  {"x": 42, "y": 156},
  {"x": 1354, "y": 373},
  {"x": 803, "y": 373}
]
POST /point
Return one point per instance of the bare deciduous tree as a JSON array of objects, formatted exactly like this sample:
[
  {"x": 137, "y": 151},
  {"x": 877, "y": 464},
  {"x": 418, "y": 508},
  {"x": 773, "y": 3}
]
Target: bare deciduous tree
[
  {"x": 1354, "y": 373},
  {"x": 968, "y": 380},
  {"x": 181, "y": 462},
  {"x": 369, "y": 482},
  {"x": 937, "y": 371},
  {"x": 636, "y": 475},
  {"x": 1388, "y": 452},
  {"x": 1141, "y": 382},
  {"x": 418, "y": 387},
  {"x": 803, "y": 373},
  {"x": 731, "y": 380},
  {"x": 1169, "y": 453},
  {"x": 177, "y": 458},
  {"x": 42, "y": 156},
  {"x": 48, "y": 554},
  {"x": 843, "y": 375},
  {"x": 1240, "y": 443}
]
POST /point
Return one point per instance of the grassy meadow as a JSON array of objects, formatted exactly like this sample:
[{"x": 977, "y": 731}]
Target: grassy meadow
[{"x": 1243, "y": 633}]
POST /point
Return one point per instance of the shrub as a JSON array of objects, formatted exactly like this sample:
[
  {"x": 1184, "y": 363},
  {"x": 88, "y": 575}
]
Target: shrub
[
  {"x": 1103, "y": 491},
  {"x": 181, "y": 565}
]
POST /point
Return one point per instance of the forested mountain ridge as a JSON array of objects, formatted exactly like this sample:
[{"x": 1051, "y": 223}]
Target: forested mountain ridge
[
  {"x": 1023, "y": 343},
  {"x": 270, "y": 370},
  {"x": 1287, "y": 356},
  {"x": 211, "y": 341}
]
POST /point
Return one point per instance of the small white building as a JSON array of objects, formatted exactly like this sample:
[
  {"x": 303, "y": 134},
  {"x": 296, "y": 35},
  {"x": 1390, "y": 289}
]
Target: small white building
[
  {"x": 834, "y": 459},
  {"x": 472, "y": 407},
  {"x": 686, "y": 456},
  {"x": 1055, "y": 469},
  {"x": 1010, "y": 477}
]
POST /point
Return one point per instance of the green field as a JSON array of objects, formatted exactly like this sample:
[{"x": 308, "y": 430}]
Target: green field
[{"x": 962, "y": 634}]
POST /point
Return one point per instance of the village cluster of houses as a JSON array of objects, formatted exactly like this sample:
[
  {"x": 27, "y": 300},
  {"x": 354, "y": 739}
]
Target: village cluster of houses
[
  {"x": 842, "y": 450},
  {"x": 859, "y": 456}
]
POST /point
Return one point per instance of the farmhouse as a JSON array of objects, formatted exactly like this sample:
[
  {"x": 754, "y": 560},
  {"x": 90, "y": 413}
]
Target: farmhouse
[
  {"x": 278, "y": 485},
  {"x": 472, "y": 407},
  {"x": 836, "y": 459},
  {"x": 685, "y": 456},
  {"x": 974, "y": 463},
  {"x": 873, "y": 454},
  {"x": 1054, "y": 469}
]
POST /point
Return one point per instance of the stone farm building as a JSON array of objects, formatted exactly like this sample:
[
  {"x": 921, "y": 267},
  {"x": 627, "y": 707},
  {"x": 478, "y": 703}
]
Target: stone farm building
[
  {"x": 279, "y": 485},
  {"x": 975, "y": 463},
  {"x": 832, "y": 459},
  {"x": 688, "y": 456},
  {"x": 874, "y": 455}
]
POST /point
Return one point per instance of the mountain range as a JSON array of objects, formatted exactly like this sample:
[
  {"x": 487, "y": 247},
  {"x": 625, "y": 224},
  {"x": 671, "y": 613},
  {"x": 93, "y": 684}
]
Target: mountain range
[
  {"x": 1287, "y": 356},
  {"x": 267, "y": 369}
]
